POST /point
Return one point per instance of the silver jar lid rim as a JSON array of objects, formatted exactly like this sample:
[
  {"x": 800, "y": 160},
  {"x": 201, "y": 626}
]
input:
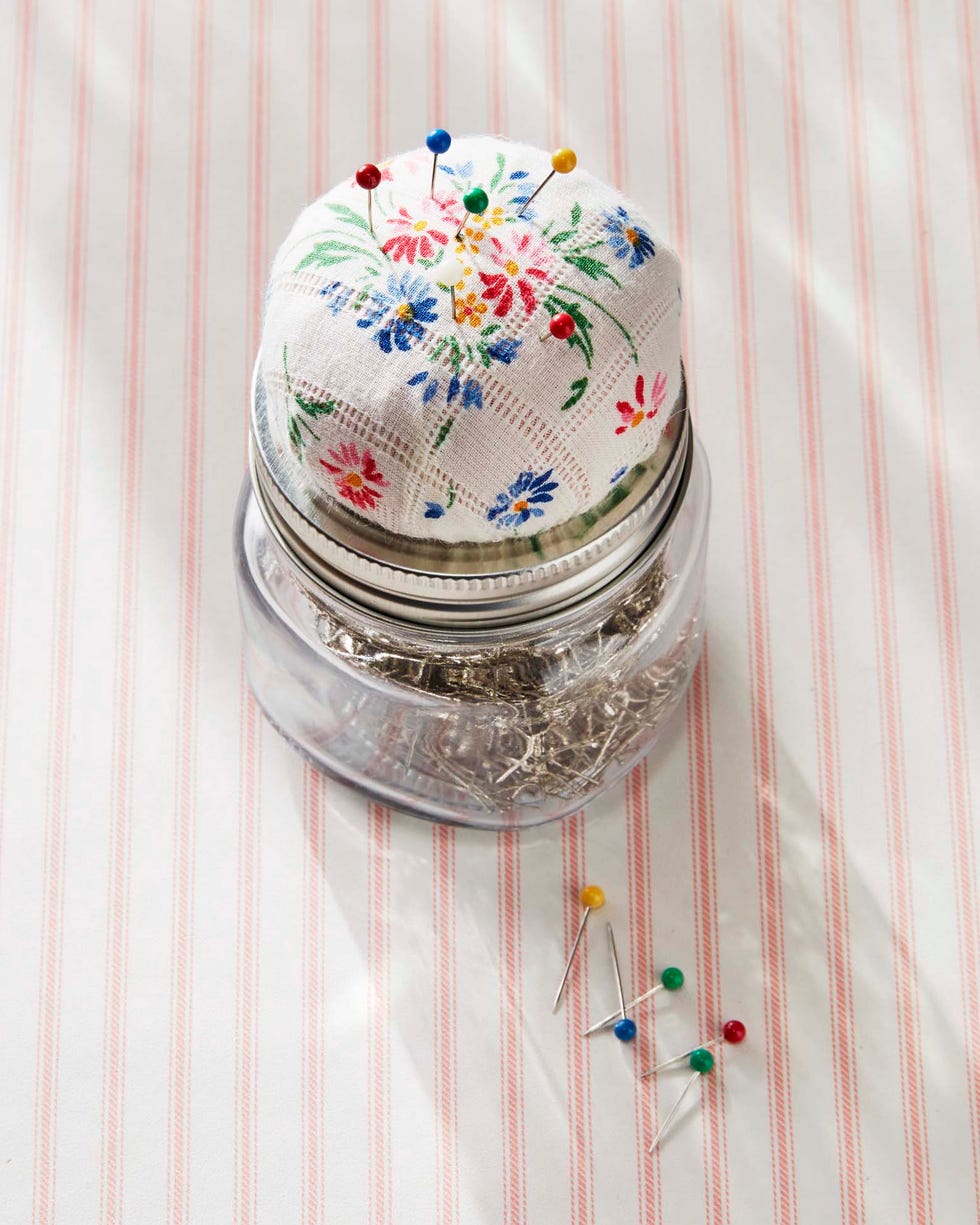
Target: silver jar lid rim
[{"x": 467, "y": 584}]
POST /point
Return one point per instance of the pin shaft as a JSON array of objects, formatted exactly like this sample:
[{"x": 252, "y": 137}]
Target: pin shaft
[
  {"x": 673, "y": 1111},
  {"x": 669, "y": 1063},
  {"x": 543, "y": 183},
  {"x": 611, "y": 1019},
  {"x": 571, "y": 957},
  {"x": 619, "y": 977},
  {"x": 371, "y": 211},
  {"x": 459, "y": 232},
  {"x": 432, "y": 185}
]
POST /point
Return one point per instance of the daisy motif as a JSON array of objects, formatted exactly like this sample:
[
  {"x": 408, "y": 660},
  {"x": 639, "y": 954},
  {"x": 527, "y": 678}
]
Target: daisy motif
[
  {"x": 418, "y": 234},
  {"x": 626, "y": 238},
  {"x": 523, "y": 499},
  {"x": 524, "y": 267},
  {"x": 634, "y": 415},
  {"x": 399, "y": 312},
  {"x": 355, "y": 475}
]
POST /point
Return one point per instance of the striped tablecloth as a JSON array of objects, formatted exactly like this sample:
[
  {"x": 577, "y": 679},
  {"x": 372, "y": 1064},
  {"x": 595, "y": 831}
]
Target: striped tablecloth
[{"x": 232, "y": 991}]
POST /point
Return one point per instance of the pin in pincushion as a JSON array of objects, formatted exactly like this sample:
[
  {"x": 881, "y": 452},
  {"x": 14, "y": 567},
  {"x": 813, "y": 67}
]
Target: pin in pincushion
[{"x": 488, "y": 424}]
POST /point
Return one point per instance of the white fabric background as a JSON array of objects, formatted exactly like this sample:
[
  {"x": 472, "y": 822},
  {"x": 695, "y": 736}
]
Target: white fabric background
[{"x": 228, "y": 991}]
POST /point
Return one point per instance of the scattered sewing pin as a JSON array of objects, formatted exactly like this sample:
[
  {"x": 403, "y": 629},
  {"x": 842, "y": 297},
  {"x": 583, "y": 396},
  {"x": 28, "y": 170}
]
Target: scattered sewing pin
[
  {"x": 368, "y": 177},
  {"x": 438, "y": 141},
  {"x": 702, "y": 1062},
  {"x": 563, "y": 161},
  {"x": 592, "y": 898},
  {"x": 624, "y": 1029},
  {"x": 449, "y": 273},
  {"x": 476, "y": 201},
  {"x": 732, "y": 1031},
  {"x": 561, "y": 326},
  {"x": 671, "y": 980}
]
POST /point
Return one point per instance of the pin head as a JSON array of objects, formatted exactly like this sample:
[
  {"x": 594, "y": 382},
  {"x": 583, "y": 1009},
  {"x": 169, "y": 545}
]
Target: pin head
[
  {"x": 563, "y": 161},
  {"x": 450, "y": 271},
  {"x": 368, "y": 176},
  {"x": 593, "y": 897},
  {"x": 625, "y": 1029},
  {"x": 733, "y": 1031},
  {"x": 702, "y": 1061},
  {"x": 438, "y": 141},
  {"x": 672, "y": 978},
  {"x": 562, "y": 325},
  {"x": 476, "y": 201}
]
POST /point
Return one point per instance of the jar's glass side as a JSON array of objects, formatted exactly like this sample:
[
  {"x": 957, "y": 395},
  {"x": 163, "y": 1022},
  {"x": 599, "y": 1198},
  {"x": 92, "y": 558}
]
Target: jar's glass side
[{"x": 512, "y": 726}]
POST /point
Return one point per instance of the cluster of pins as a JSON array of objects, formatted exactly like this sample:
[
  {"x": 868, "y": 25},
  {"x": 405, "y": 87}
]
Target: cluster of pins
[
  {"x": 699, "y": 1058},
  {"x": 475, "y": 203}
]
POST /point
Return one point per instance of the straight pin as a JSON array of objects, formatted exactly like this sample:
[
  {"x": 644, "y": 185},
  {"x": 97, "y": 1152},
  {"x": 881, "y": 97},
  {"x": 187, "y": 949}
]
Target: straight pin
[
  {"x": 561, "y": 326},
  {"x": 475, "y": 202},
  {"x": 563, "y": 161},
  {"x": 624, "y": 1029},
  {"x": 368, "y": 177},
  {"x": 438, "y": 141},
  {"x": 592, "y": 898},
  {"x": 671, "y": 980},
  {"x": 449, "y": 273},
  {"x": 702, "y": 1062},
  {"x": 732, "y": 1031}
]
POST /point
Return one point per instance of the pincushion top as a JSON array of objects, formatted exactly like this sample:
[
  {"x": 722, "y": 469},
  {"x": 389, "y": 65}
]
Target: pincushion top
[{"x": 492, "y": 422}]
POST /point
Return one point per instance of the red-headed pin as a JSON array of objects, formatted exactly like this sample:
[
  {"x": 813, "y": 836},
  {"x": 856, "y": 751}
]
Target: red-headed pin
[
  {"x": 368, "y": 177},
  {"x": 561, "y": 326},
  {"x": 592, "y": 898},
  {"x": 732, "y": 1031}
]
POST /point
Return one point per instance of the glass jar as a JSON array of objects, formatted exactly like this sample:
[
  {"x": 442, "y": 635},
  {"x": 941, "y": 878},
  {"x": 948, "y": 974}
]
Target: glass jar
[{"x": 499, "y": 696}]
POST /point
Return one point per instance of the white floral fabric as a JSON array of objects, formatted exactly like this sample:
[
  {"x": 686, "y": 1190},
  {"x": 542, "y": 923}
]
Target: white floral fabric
[{"x": 468, "y": 427}]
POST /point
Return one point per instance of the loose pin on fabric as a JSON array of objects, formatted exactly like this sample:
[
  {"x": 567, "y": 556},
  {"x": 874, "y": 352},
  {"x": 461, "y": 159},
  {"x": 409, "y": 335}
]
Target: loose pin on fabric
[
  {"x": 625, "y": 1028},
  {"x": 732, "y": 1031},
  {"x": 561, "y": 326},
  {"x": 438, "y": 141},
  {"x": 672, "y": 979},
  {"x": 702, "y": 1062},
  {"x": 592, "y": 899},
  {"x": 563, "y": 161},
  {"x": 368, "y": 177}
]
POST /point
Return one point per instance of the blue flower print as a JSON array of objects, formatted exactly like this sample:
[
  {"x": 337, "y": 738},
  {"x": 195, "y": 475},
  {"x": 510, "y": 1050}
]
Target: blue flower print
[
  {"x": 434, "y": 511},
  {"x": 472, "y": 392},
  {"x": 627, "y": 238},
  {"x": 503, "y": 350},
  {"x": 336, "y": 296},
  {"x": 620, "y": 472},
  {"x": 522, "y": 499},
  {"x": 399, "y": 311}
]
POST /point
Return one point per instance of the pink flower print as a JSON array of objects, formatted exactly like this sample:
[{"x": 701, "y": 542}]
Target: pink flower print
[
  {"x": 418, "y": 232},
  {"x": 354, "y": 473},
  {"x": 524, "y": 268},
  {"x": 633, "y": 415}
]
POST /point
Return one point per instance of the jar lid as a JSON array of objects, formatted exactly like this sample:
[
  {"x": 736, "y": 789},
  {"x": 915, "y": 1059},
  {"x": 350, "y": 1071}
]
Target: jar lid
[{"x": 500, "y": 582}]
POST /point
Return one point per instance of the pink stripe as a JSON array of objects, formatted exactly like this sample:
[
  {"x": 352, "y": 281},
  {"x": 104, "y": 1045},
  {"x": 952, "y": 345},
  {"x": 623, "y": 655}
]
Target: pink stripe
[
  {"x": 313, "y": 1207},
  {"x": 60, "y": 690},
  {"x": 115, "y": 1004},
  {"x": 903, "y": 939},
  {"x": 963, "y": 834},
  {"x": 188, "y": 635},
  {"x": 511, "y": 1029},
  {"x": 250, "y": 728},
  {"x": 13, "y": 312},
  {"x": 437, "y": 59},
  {"x": 615, "y": 114},
  {"x": 444, "y": 989},
  {"x": 497, "y": 39},
  {"x": 581, "y": 1162},
  {"x": 379, "y": 79},
  {"x": 823, "y": 658},
  {"x": 554, "y": 71},
  {"x": 642, "y": 974},
  {"x": 380, "y": 1208},
  {"x": 785, "y": 1204},
  {"x": 319, "y": 138},
  {"x": 947, "y": 613}
]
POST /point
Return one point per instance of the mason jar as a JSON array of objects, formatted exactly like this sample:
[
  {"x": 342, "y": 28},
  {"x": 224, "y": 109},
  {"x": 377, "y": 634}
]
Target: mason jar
[{"x": 495, "y": 686}]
